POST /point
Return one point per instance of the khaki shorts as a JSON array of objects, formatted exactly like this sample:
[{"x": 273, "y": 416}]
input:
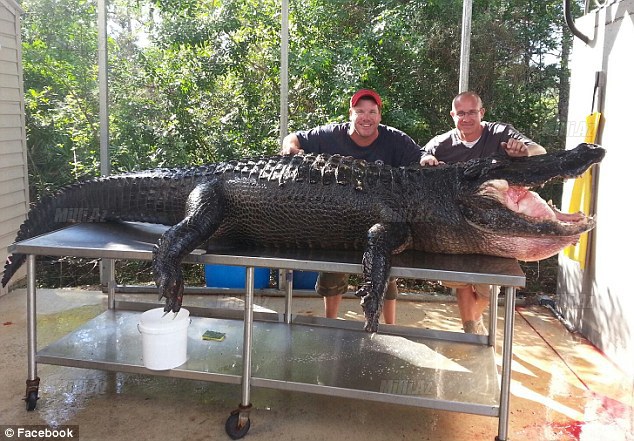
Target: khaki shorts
[
  {"x": 333, "y": 284},
  {"x": 482, "y": 289}
]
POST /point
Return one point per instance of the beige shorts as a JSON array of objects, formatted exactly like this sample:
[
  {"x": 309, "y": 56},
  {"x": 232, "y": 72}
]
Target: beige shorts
[
  {"x": 482, "y": 289},
  {"x": 333, "y": 284}
]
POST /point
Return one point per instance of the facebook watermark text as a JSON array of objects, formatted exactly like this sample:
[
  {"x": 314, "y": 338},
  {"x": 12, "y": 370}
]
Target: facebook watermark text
[{"x": 39, "y": 432}]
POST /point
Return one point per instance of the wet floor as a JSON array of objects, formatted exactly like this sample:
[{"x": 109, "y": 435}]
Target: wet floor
[{"x": 562, "y": 387}]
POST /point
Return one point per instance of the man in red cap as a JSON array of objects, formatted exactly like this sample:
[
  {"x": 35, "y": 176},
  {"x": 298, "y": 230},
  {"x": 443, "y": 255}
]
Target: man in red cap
[{"x": 363, "y": 137}]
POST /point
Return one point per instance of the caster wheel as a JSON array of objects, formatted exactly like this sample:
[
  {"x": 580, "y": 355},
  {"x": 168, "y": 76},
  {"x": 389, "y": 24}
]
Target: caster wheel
[
  {"x": 232, "y": 429},
  {"x": 31, "y": 400}
]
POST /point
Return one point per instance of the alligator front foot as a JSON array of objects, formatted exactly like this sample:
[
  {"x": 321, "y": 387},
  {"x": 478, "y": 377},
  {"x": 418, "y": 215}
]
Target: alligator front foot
[
  {"x": 371, "y": 309},
  {"x": 171, "y": 287}
]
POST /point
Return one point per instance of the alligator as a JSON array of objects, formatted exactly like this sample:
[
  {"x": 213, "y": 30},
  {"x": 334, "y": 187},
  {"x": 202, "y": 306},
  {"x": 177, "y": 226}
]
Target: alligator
[{"x": 482, "y": 206}]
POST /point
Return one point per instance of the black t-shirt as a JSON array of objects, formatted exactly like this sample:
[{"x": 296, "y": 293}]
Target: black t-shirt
[
  {"x": 392, "y": 146},
  {"x": 449, "y": 148}
]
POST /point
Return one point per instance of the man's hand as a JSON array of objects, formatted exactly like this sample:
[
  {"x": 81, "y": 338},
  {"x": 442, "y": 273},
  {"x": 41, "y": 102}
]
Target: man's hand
[
  {"x": 290, "y": 145},
  {"x": 429, "y": 160},
  {"x": 515, "y": 148}
]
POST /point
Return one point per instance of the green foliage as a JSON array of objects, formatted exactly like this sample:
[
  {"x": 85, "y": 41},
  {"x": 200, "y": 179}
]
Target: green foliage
[
  {"x": 205, "y": 91},
  {"x": 59, "y": 59},
  {"x": 201, "y": 82},
  {"x": 410, "y": 53}
]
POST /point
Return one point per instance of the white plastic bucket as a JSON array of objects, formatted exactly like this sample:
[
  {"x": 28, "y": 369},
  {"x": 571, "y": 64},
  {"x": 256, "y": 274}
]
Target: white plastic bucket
[{"x": 164, "y": 338}]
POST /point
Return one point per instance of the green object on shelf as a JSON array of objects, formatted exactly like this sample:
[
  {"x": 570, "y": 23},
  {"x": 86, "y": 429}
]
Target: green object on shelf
[{"x": 214, "y": 336}]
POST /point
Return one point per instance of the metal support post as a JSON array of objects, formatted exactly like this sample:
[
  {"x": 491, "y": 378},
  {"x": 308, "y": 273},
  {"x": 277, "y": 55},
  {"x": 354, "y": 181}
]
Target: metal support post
[
  {"x": 247, "y": 343},
  {"x": 288, "y": 308},
  {"x": 493, "y": 314},
  {"x": 31, "y": 319},
  {"x": 111, "y": 282},
  {"x": 465, "y": 45},
  {"x": 507, "y": 359}
]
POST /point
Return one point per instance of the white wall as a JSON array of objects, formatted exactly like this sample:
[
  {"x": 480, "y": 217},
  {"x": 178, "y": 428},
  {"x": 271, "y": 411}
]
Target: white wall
[
  {"x": 13, "y": 166},
  {"x": 599, "y": 301}
]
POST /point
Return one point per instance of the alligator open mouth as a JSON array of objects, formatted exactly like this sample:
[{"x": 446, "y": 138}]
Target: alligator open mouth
[
  {"x": 530, "y": 205},
  {"x": 503, "y": 203}
]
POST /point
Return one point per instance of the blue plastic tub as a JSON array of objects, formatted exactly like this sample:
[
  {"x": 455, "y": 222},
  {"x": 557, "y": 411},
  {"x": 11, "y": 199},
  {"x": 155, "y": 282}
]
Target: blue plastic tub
[
  {"x": 228, "y": 276},
  {"x": 304, "y": 279}
]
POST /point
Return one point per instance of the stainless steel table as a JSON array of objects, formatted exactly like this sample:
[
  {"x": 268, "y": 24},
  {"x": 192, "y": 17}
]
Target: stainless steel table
[{"x": 402, "y": 365}]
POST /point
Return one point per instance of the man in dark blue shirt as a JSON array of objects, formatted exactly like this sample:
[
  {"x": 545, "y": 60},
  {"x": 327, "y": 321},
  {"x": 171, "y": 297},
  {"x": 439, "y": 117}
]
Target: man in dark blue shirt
[{"x": 363, "y": 137}]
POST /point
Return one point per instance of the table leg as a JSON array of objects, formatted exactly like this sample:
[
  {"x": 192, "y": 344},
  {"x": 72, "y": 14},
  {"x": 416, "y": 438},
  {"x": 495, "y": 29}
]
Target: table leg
[
  {"x": 247, "y": 343},
  {"x": 507, "y": 359},
  {"x": 289, "y": 297},
  {"x": 493, "y": 314},
  {"x": 111, "y": 282},
  {"x": 32, "y": 381},
  {"x": 238, "y": 423}
]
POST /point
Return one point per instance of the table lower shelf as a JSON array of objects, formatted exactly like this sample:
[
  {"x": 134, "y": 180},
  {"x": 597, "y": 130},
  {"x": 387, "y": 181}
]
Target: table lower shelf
[{"x": 412, "y": 371}]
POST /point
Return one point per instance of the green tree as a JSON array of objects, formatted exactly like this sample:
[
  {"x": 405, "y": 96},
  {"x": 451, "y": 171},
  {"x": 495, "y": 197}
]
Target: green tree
[
  {"x": 201, "y": 82},
  {"x": 59, "y": 59},
  {"x": 208, "y": 88},
  {"x": 410, "y": 53}
]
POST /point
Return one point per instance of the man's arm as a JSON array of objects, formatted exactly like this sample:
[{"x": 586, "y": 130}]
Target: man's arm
[{"x": 290, "y": 145}]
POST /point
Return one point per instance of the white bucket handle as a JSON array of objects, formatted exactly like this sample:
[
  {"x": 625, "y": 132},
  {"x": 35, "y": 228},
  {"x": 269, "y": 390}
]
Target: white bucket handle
[{"x": 138, "y": 326}]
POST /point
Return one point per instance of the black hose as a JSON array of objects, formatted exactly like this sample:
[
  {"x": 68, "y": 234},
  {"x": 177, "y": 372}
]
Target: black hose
[
  {"x": 571, "y": 24},
  {"x": 549, "y": 304}
]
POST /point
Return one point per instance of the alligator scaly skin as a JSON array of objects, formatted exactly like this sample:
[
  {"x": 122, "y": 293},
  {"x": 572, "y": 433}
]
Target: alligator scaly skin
[{"x": 322, "y": 201}]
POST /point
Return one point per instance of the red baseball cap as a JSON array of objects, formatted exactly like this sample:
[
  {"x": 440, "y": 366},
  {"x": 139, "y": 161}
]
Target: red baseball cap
[{"x": 363, "y": 93}]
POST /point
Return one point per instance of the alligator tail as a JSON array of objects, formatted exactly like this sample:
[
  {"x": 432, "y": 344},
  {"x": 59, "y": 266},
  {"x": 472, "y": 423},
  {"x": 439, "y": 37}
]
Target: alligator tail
[{"x": 156, "y": 196}]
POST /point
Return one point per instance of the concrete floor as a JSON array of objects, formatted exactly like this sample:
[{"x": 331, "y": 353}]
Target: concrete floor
[{"x": 562, "y": 387}]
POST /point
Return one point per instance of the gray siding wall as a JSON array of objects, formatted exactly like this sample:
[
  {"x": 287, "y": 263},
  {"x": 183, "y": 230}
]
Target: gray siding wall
[{"x": 14, "y": 197}]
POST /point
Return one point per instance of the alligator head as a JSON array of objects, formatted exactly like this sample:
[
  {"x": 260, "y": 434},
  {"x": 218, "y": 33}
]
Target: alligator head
[{"x": 494, "y": 198}]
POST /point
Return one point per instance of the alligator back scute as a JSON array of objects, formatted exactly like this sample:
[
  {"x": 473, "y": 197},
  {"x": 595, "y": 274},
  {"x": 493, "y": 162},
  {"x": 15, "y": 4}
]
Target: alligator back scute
[
  {"x": 312, "y": 168},
  {"x": 348, "y": 196}
]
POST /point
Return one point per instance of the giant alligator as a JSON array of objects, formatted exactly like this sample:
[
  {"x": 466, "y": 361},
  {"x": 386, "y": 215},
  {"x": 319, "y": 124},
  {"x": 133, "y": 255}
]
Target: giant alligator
[{"x": 320, "y": 201}]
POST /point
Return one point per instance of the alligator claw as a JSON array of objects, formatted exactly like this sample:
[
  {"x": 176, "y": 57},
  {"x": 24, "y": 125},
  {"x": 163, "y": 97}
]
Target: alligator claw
[
  {"x": 371, "y": 309},
  {"x": 371, "y": 325},
  {"x": 172, "y": 289},
  {"x": 167, "y": 312},
  {"x": 173, "y": 303}
]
